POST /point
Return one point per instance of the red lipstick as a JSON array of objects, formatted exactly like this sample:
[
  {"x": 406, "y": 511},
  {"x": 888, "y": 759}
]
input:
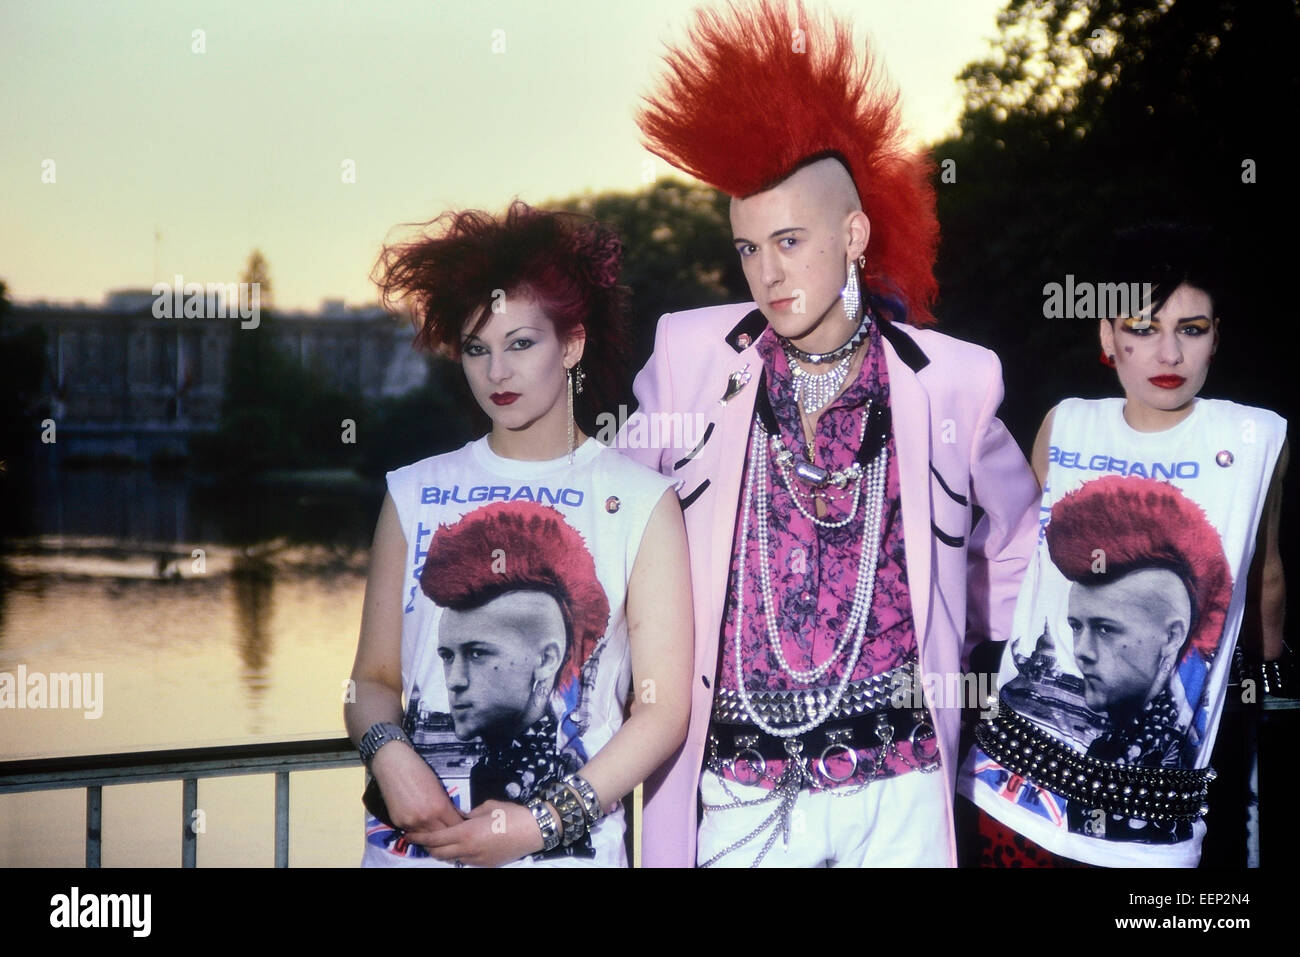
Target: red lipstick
[
  {"x": 1167, "y": 381},
  {"x": 504, "y": 398}
]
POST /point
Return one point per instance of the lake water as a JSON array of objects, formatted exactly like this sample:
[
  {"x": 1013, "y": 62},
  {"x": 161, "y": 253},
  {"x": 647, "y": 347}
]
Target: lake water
[{"x": 249, "y": 638}]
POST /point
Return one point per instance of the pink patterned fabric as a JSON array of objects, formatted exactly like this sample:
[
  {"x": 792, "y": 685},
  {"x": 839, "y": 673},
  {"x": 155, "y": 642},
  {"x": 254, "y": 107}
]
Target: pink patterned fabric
[{"x": 814, "y": 570}]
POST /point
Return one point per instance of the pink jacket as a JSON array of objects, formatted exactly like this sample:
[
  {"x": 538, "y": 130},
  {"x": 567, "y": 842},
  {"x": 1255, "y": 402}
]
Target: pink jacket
[{"x": 952, "y": 453}]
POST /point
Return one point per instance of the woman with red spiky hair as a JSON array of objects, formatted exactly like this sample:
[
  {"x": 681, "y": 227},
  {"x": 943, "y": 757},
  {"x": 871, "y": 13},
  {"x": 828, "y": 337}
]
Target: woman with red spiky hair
[
  {"x": 522, "y": 585},
  {"x": 1159, "y": 504},
  {"x": 855, "y": 507}
]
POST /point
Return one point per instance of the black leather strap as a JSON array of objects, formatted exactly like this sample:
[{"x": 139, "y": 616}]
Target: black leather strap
[{"x": 864, "y": 732}]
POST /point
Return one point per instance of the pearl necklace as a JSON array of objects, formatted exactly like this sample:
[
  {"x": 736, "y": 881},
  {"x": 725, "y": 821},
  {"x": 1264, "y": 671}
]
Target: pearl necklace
[
  {"x": 862, "y": 593},
  {"x": 840, "y": 478}
]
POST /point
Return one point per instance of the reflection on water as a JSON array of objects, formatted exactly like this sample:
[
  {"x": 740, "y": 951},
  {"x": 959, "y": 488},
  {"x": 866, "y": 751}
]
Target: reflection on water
[{"x": 213, "y": 618}]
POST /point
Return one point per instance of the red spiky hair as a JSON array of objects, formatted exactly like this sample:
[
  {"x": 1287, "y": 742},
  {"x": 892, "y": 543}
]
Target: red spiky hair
[
  {"x": 742, "y": 107},
  {"x": 520, "y": 546},
  {"x": 1144, "y": 523}
]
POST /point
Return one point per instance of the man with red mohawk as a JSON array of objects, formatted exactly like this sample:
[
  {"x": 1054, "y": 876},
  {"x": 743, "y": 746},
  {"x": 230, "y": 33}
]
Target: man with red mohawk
[{"x": 857, "y": 516}]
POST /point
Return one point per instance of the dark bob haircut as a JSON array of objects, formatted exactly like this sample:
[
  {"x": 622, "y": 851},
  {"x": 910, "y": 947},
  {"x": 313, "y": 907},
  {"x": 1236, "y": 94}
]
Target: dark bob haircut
[
  {"x": 565, "y": 263},
  {"x": 1167, "y": 255}
]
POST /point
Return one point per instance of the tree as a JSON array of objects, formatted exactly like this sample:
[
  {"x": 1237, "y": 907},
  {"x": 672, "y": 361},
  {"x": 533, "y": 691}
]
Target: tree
[
  {"x": 677, "y": 252},
  {"x": 1094, "y": 115},
  {"x": 22, "y": 373},
  {"x": 257, "y": 271}
]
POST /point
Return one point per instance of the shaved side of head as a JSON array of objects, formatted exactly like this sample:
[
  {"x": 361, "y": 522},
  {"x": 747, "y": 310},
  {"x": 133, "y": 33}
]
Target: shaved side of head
[{"x": 824, "y": 185}]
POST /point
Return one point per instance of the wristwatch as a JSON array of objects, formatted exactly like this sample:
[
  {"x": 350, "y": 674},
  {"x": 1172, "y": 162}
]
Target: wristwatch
[{"x": 379, "y": 735}]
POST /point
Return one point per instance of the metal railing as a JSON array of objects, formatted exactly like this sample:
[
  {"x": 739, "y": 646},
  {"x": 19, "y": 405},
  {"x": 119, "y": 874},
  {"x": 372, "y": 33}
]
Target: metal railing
[
  {"x": 281, "y": 758},
  {"x": 188, "y": 765}
]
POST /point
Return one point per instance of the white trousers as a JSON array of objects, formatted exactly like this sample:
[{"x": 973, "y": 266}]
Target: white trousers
[{"x": 896, "y": 822}]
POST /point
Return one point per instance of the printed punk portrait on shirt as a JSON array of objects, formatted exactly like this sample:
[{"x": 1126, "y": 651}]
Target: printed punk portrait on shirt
[
  {"x": 1135, "y": 597},
  {"x": 522, "y": 617}
]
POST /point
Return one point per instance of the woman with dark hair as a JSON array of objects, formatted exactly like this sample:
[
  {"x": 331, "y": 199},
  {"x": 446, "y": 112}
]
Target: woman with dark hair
[
  {"x": 520, "y": 586},
  {"x": 1161, "y": 514}
]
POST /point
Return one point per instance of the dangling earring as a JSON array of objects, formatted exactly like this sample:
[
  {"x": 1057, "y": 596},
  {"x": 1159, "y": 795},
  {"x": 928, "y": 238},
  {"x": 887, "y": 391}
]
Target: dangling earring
[
  {"x": 852, "y": 295},
  {"x": 575, "y": 377},
  {"x": 568, "y": 396}
]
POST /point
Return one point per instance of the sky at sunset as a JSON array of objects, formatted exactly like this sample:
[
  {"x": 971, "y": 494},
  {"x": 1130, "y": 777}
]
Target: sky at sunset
[{"x": 166, "y": 160}]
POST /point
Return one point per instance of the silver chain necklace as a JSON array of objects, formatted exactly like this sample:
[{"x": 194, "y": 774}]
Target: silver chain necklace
[
  {"x": 863, "y": 591},
  {"x": 839, "y": 479}
]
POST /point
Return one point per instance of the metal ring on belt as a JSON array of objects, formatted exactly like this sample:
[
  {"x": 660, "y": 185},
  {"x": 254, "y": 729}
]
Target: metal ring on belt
[{"x": 732, "y": 743}]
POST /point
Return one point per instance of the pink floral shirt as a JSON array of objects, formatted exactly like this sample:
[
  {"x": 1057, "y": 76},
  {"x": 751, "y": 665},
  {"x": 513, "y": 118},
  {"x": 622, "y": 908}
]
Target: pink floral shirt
[{"x": 814, "y": 569}]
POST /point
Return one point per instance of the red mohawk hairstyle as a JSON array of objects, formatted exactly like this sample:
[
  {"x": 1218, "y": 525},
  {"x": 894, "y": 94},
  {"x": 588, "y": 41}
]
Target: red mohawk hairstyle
[
  {"x": 1144, "y": 523},
  {"x": 758, "y": 93},
  {"x": 520, "y": 546}
]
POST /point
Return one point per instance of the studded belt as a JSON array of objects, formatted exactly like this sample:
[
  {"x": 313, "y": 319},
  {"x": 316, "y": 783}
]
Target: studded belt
[
  {"x": 843, "y": 739},
  {"x": 1150, "y": 794},
  {"x": 787, "y": 708}
]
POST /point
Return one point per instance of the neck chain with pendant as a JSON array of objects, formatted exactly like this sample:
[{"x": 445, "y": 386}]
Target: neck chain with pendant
[{"x": 847, "y": 480}]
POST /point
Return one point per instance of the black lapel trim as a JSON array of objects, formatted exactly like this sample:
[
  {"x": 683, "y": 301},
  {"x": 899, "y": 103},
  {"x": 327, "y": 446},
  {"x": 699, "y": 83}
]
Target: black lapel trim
[
  {"x": 695, "y": 451},
  {"x": 905, "y": 346},
  {"x": 752, "y": 325},
  {"x": 949, "y": 540},
  {"x": 959, "y": 499},
  {"x": 879, "y": 423},
  {"x": 689, "y": 500},
  {"x": 763, "y": 405}
]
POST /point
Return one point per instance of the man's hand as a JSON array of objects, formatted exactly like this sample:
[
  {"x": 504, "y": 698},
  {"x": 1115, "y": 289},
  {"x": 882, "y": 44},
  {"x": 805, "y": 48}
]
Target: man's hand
[
  {"x": 496, "y": 833},
  {"x": 417, "y": 802}
]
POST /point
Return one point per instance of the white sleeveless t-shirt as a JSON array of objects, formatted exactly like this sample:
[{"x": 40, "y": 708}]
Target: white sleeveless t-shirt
[
  {"x": 1131, "y": 669},
  {"x": 542, "y": 562}
]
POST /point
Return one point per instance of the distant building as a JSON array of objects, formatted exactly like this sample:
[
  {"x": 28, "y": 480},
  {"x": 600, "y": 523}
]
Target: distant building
[
  {"x": 118, "y": 365},
  {"x": 123, "y": 382}
]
